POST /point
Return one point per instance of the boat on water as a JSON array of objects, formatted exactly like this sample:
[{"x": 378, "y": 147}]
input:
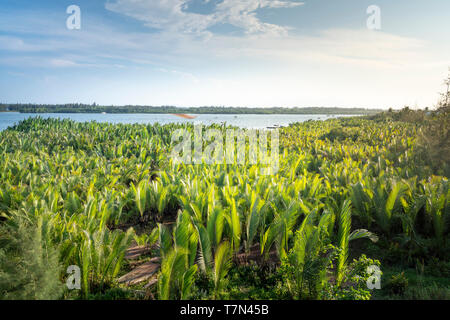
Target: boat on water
[{"x": 275, "y": 126}]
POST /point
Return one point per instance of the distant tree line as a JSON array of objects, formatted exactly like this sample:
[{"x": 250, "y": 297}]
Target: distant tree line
[{"x": 94, "y": 108}]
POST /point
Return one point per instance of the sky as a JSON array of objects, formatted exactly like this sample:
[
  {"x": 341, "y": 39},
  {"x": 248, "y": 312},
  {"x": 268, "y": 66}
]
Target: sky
[{"x": 248, "y": 53}]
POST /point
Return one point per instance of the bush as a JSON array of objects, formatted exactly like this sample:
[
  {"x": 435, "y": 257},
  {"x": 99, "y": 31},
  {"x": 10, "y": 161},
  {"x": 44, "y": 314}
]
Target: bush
[
  {"x": 433, "y": 292},
  {"x": 434, "y": 143},
  {"x": 398, "y": 284},
  {"x": 438, "y": 268},
  {"x": 339, "y": 134},
  {"x": 29, "y": 269},
  {"x": 357, "y": 275}
]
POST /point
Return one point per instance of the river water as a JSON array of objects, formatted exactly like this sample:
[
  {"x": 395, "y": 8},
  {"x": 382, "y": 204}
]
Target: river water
[{"x": 256, "y": 121}]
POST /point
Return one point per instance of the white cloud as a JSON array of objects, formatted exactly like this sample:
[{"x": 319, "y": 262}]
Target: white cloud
[
  {"x": 12, "y": 43},
  {"x": 183, "y": 75},
  {"x": 170, "y": 15},
  {"x": 61, "y": 63},
  {"x": 242, "y": 13},
  {"x": 360, "y": 47}
]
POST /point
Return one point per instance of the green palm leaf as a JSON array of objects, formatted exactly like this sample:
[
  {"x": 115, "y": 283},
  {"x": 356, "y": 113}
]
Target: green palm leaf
[{"x": 222, "y": 263}]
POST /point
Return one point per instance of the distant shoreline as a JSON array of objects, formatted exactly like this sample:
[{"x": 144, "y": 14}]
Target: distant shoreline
[{"x": 78, "y": 108}]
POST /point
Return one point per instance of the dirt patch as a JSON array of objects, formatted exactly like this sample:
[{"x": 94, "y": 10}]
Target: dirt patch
[
  {"x": 142, "y": 273},
  {"x": 254, "y": 256}
]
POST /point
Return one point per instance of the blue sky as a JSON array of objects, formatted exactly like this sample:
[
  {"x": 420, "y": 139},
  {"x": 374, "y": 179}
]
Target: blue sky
[{"x": 225, "y": 52}]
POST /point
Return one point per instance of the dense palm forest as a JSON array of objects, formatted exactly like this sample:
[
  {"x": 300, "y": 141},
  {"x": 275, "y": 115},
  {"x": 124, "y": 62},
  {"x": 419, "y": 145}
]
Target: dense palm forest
[{"x": 350, "y": 195}]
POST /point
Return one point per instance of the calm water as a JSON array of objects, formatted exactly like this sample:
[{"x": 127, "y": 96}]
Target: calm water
[{"x": 256, "y": 121}]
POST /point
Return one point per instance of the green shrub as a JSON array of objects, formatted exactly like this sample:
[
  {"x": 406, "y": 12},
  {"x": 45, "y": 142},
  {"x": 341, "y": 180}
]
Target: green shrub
[
  {"x": 398, "y": 284},
  {"x": 434, "y": 143},
  {"x": 29, "y": 268},
  {"x": 432, "y": 292},
  {"x": 339, "y": 134},
  {"x": 438, "y": 268},
  {"x": 357, "y": 276}
]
